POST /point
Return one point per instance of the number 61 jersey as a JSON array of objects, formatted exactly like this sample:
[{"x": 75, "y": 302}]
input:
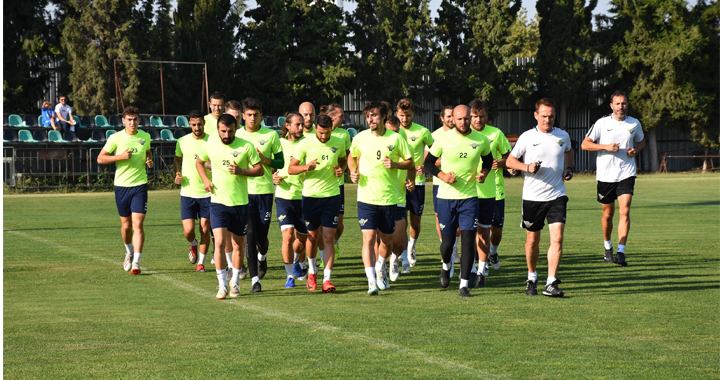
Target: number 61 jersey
[{"x": 378, "y": 185}]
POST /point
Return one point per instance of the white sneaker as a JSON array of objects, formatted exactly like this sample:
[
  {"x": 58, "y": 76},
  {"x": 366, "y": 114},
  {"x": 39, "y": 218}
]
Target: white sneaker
[
  {"x": 222, "y": 292},
  {"x": 405, "y": 268},
  {"x": 127, "y": 264},
  {"x": 234, "y": 290},
  {"x": 452, "y": 269},
  {"x": 372, "y": 289},
  {"x": 382, "y": 278},
  {"x": 412, "y": 258},
  {"x": 394, "y": 268},
  {"x": 456, "y": 256}
]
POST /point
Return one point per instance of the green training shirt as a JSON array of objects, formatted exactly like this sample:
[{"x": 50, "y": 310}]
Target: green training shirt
[
  {"x": 210, "y": 124},
  {"x": 418, "y": 137},
  {"x": 461, "y": 155},
  {"x": 378, "y": 185},
  {"x": 291, "y": 187},
  {"x": 230, "y": 189},
  {"x": 345, "y": 135},
  {"x": 189, "y": 149},
  {"x": 321, "y": 182},
  {"x": 499, "y": 145},
  {"x": 267, "y": 142},
  {"x": 129, "y": 173}
]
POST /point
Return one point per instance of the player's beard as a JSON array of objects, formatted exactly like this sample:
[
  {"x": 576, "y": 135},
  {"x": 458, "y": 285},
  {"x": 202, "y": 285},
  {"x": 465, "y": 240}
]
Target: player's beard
[{"x": 229, "y": 140}]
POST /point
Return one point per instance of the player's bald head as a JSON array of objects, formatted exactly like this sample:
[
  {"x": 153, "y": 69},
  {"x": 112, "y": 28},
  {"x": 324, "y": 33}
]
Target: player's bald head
[
  {"x": 461, "y": 110},
  {"x": 306, "y": 107}
]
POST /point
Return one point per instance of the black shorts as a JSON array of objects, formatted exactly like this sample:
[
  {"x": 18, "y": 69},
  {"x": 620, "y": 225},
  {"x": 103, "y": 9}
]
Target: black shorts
[
  {"x": 486, "y": 208},
  {"x": 234, "y": 218},
  {"x": 499, "y": 213},
  {"x": 290, "y": 215},
  {"x": 435, "y": 191},
  {"x": 535, "y": 213},
  {"x": 400, "y": 213},
  {"x": 608, "y": 192},
  {"x": 342, "y": 199},
  {"x": 194, "y": 208},
  {"x": 415, "y": 200},
  {"x": 260, "y": 204},
  {"x": 131, "y": 200},
  {"x": 323, "y": 212}
]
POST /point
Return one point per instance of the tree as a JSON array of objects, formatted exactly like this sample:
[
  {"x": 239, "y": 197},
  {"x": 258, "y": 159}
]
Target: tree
[
  {"x": 94, "y": 33},
  {"x": 294, "y": 51},
  {"x": 30, "y": 36},
  {"x": 392, "y": 48},
  {"x": 565, "y": 57},
  {"x": 662, "y": 56}
]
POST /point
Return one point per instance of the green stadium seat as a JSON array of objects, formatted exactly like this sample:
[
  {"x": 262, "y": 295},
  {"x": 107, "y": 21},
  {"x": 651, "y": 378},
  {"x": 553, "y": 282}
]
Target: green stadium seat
[
  {"x": 101, "y": 122},
  {"x": 39, "y": 122},
  {"x": 26, "y": 136},
  {"x": 78, "y": 123},
  {"x": 167, "y": 135},
  {"x": 353, "y": 132},
  {"x": 109, "y": 133},
  {"x": 281, "y": 121},
  {"x": 182, "y": 121},
  {"x": 56, "y": 137},
  {"x": 15, "y": 121},
  {"x": 156, "y": 121}
]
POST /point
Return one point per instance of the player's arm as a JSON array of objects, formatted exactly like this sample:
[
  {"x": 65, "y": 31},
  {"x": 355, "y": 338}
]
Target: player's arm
[
  {"x": 514, "y": 163},
  {"x": 339, "y": 168},
  {"x": 487, "y": 164},
  {"x": 105, "y": 157},
  {"x": 177, "y": 164},
  {"x": 632, "y": 152},
  {"x": 502, "y": 160},
  {"x": 295, "y": 168},
  {"x": 569, "y": 164},
  {"x": 200, "y": 166},
  {"x": 430, "y": 165},
  {"x": 277, "y": 162},
  {"x": 257, "y": 170},
  {"x": 353, "y": 166},
  {"x": 589, "y": 145}
]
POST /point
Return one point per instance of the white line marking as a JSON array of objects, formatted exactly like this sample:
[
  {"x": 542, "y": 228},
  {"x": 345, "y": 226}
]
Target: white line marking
[{"x": 389, "y": 346}]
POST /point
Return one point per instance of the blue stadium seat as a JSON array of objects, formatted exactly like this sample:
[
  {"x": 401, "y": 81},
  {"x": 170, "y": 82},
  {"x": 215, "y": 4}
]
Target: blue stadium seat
[
  {"x": 169, "y": 122},
  {"x": 70, "y": 136},
  {"x": 32, "y": 121},
  {"x": 154, "y": 134},
  {"x": 179, "y": 133},
  {"x": 116, "y": 121},
  {"x": 87, "y": 121},
  {"x": 9, "y": 136},
  {"x": 97, "y": 136},
  {"x": 144, "y": 121},
  {"x": 40, "y": 136}
]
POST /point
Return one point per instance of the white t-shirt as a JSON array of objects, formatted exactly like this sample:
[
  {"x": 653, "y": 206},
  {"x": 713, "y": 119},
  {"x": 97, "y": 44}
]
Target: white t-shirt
[
  {"x": 547, "y": 184},
  {"x": 615, "y": 166},
  {"x": 64, "y": 111}
]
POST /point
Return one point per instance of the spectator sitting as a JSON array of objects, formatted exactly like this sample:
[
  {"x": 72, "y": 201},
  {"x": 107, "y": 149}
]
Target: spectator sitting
[
  {"x": 64, "y": 114},
  {"x": 48, "y": 116}
]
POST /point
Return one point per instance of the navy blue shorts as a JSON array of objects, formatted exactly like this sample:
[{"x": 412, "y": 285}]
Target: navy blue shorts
[
  {"x": 321, "y": 212},
  {"x": 454, "y": 213},
  {"x": 342, "y": 199},
  {"x": 499, "y": 213},
  {"x": 435, "y": 190},
  {"x": 131, "y": 200},
  {"x": 261, "y": 204},
  {"x": 373, "y": 217},
  {"x": 194, "y": 208},
  {"x": 234, "y": 218},
  {"x": 290, "y": 215},
  {"x": 400, "y": 213},
  {"x": 486, "y": 208},
  {"x": 415, "y": 200}
]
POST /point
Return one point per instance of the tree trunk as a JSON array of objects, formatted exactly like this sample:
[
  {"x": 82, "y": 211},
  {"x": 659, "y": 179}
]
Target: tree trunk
[{"x": 652, "y": 145}]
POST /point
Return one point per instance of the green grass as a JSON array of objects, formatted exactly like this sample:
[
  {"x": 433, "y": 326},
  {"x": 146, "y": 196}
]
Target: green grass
[{"x": 70, "y": 311}]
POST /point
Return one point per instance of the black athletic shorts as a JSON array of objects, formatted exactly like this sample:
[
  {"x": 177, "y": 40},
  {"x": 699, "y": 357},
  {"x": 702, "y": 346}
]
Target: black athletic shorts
[
  {"x": 608, "y": 192},
  {"x": 535, "y": 213}
]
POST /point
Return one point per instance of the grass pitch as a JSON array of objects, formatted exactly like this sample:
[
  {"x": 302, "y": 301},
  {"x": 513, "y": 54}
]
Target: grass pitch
[{"x": 70, "y": 311}]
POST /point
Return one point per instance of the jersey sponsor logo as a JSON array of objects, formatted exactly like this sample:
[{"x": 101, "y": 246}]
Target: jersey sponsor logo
[
  {"x": 142, "y": 142},
  {"x": 561, "y": 142},
  {"x": 527, "y": 224},
  {"x": 390, "y": 147},
  {"x": 362, "y": 222},
  {"x": 235, "y": 153},
  {"x": 262, "y": 141},
  {"x": 282, "y": 217},
  {"x": 474, "y": 145},
  {"x": 334, "y": 149}
]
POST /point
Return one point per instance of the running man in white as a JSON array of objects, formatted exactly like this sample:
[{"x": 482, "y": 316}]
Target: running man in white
[
  {"x": 617, "y": 139},
  {"x": 546, "y": 150}
]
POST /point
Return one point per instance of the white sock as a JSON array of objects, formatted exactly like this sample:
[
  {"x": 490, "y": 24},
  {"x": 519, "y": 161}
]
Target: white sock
[
  {"x": 201, "y": 259},
  {"x": 621, "y": 248},
  {"x": 194, "y": 243},
  {"x": 446, "y": 266},
  {"x": 289, "y": 270},
  {"x": 393, "y": 257},
  {"x": 380, "y": 262},
  {"x": 303, "y": 265},
  {"x": 228, "y": 256},
  {"x": 481, "y": 267},
  {"x": 255, "y": 279},
  {"x": 463, "y": 283},
  {"x": 550, "y": 280},
  {"x": 403, "y": 255},
  {"x": 262, "y": 257},
  {"x": 608, "y": 244},
  {"x": 221, "y": 277},
  {"x": 493, "y": 249},
  {"x": 129, "y": 249},
  {"x": 532, "y": 276},
  {"x": 411, "y": 244},
  {"x": 370, "y": 274},
  {"x": 326, "y": 274},
  {"x": 312, "y": 269},
  {"x": 136, "y": 259},
  {"x": 236, "y": 275},
  {"x": 296, "y": 257}
]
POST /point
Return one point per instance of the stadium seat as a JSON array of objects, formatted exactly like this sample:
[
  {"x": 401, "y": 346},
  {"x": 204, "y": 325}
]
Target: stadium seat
[
  {"x": 154, "y": 134},
  {"x": 156, "y": 121},
  {"x": 97, "y": 136},
  {"x": 6, "y": 122},
  {"x": 9, "y": 136},
  {"x": 109, "y": 133},
  {"x": 270, "y": 121},
  {"x": 144, "y": 121},
  {"x": 281, "y": 121},
  {"x": 101, "y": 122},
  {"x": 70, "y": 136},
  {"x": 40, "y": 136},
  {"x": 179, "y": 133},
  {"x": 168, "y": 121},
  {"x": 32, "y": 121},
  {"x": 182, "y": 121},
  {"x": 116, "y": 121},
  {"x": 87, "y": 121},
  {"x": 78, "y": 122},
  {"x": 15, "y": 121},
  {"x": 25, "y": 136},
  {"x": 167, "y": 135},
  {"x": 353, "y": 132},
  {"x": 56, "y": 137}
]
